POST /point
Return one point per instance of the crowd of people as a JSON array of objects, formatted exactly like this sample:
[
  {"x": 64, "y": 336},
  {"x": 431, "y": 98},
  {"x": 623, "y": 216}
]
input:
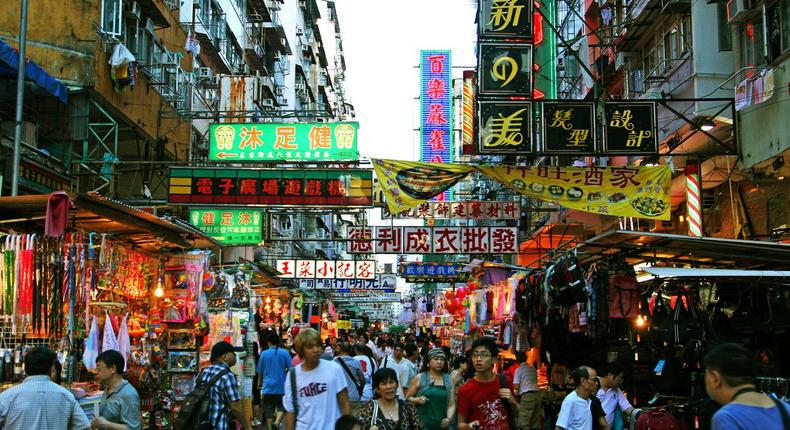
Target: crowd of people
[{"x": 354, "y": 384}]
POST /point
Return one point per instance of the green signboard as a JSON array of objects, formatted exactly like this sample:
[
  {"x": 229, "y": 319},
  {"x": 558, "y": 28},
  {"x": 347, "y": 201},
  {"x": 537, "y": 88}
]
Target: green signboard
[
  {"x": 229, "y": 226},
  {"x": 250, "y": 142}
]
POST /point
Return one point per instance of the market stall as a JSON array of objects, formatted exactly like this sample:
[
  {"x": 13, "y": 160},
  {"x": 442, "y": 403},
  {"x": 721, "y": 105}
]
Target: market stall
[{"x": 83, "y": 274}]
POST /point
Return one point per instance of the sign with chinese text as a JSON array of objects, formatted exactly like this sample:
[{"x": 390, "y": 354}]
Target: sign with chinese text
[
  {"x": 434, "y": 272},
  {"x": 379, "y": 282},
  {"x": 477, "y": 211},
  {"x": 433, "y": 240},
  {"x": 630, "y": 128},
  {"x": 568, "y": 127},
  {"x": 505, "y": 69},
  {"x": 436, "y": 114},
  {"x": 327, "y": 269},
  {"x": 640, "y": 192},
  {"x": 505, "y": 19},
  {"x": 504, "y": 127},
  {"x": 366, "y": 297},
  {"x": 249, "y": 142},
  {"x": 313, "y": 187},
  {"x": 229, "y": 226}
]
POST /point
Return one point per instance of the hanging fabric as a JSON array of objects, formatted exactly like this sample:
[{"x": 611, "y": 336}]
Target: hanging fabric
[
  {"x": 109, "y": 340},
  {"x": 91, "y": 346},
  {"x": 124, "y": 345}
]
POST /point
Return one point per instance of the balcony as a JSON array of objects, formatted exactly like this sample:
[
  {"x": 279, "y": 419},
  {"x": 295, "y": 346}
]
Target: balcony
[
  {"x": 275, "y": 35},
  {"x": 253, "y": 47},
  {"x": 675, "y": 6},
  {"x": 210, "y": 31},
  {"x": 170, "y": 80},
  {"x": 263, "y": 9}
]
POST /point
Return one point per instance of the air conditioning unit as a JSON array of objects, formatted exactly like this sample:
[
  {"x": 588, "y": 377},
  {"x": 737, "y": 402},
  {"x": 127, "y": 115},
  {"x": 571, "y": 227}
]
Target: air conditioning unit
[
  {"x": 305, "y": 48},
  {"x": 623, "y": 60},
  {"x": 136, "y": 9},
  {"x": 149, "y": 25},
  {"x": 299, "y": 86},
  {"x": 738, "y": 10},
  {"x": 243, "y": 69},
  {"x": 299, "y": 31},
  {"x": 303, "y": 4},
  {"x": 203, "y": 73},
  {"x": 267, "y": 103},
  {"x": 279, "y": 91}
]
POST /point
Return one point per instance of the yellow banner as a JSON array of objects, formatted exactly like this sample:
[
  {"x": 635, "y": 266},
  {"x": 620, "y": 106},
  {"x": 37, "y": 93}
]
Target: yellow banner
[
  {"x": 343, "y": 325},
  {"x": 640, "y": 192}
]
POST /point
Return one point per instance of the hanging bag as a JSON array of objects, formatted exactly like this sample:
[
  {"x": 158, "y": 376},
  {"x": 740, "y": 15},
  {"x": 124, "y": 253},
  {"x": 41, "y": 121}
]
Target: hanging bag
[
  {"x": 194, "y": 409},
  {"x": 623, "y": 296}
]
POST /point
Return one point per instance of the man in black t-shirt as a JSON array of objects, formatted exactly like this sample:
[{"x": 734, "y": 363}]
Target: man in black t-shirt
[{"x": 599, "y": 416}]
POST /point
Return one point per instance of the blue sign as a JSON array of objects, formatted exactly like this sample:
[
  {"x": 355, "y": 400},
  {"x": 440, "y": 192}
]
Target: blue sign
[
  {"x": 436, "y": 109},
  {"x": 440, "y": 271}
]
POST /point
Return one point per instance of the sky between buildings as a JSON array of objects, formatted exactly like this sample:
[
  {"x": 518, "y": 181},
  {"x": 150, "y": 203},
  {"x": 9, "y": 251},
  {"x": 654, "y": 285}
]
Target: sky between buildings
[{"x": 382, "y": 42}]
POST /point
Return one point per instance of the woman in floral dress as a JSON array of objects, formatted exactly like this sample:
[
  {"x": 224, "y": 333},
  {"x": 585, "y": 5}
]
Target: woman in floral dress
[{"x": 386, "y": 411}]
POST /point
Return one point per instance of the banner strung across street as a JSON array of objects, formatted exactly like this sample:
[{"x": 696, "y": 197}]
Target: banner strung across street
[
  {"x": 380, "y": 282},
  {"x": 475, "y": 210},
  {"x": 283, "y": 142},
  {"x": 327, "y": 269},
  {"x": 433, "y": 272},
  {"x": 366, "y": 297},
  {"x": 640, "y": 192},
  {"x": 433, "y": 240}
]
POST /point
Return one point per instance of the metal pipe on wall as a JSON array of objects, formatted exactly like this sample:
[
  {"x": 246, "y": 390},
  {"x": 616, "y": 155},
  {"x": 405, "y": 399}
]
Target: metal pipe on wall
[{"x": 20, "y": 98}]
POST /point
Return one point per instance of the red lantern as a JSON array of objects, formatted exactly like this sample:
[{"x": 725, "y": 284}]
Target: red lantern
[{"x": 449, "y": 294}]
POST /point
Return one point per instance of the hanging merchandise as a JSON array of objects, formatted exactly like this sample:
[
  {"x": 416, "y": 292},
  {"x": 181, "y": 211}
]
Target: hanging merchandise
[
  {"x": 109, "y": 339},
  {"x": 91, "y": 346},
  {"x": 623, "y": 295}
]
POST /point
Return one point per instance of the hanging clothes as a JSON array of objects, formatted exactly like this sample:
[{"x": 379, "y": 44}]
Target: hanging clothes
[
  {"x": 109, "y": 340},
  {"x": 91, "y": 346},
  {"x": 124, "y": 345},
  {"x": 57, "y": 216}
]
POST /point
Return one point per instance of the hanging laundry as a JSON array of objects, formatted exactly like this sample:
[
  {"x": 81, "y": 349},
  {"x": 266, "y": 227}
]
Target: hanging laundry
[
  {"x": 91, "y": 346},
  {"x": 119, "y": 67},
  {"x": 109, "y": 340},
  {"x": 124, "y": 345}
]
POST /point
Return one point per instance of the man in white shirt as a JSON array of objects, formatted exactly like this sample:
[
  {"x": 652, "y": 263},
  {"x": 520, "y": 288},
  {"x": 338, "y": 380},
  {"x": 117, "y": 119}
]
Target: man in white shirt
[
  {"x": 525, "y": 385},
  {"x": 613, "y": 400},
  {"x": 396, "y": 362},
  {"x": 575, "y": 413},
  {"x": 321, "y": 390},
  {"x": 408, "y": 366}
]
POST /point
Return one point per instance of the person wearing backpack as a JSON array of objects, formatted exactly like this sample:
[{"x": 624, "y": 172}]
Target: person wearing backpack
[
  {"x": 486, "y": 401},
  {"x": 223, "y": 395},
  {"x": 355, "y": 376},
  {"x": 316, "y": 391},
  {"x": 729, "y": 381},
  {"x": 432, "y": 392}
]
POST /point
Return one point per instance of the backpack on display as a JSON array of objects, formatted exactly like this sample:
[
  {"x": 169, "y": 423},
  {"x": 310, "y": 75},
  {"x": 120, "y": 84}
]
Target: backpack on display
[
  {"x": 657, "y": 419},
  {"x": 194, "y": 409},
  {"x": 623, "y": 296}
]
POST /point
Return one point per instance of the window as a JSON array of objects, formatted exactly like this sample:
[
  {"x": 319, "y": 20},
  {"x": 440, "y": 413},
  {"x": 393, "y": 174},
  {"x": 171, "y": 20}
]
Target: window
[
  {"x": 725, "y": 35},
  {"x": 751, "y": 43},
  {"x": 778, "y": 21},
  {"x": 112, "y": 17}
]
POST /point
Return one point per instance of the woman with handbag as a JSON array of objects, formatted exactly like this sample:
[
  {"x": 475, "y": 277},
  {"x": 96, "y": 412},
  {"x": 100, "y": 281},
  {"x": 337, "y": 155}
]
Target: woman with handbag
[
  {"x": 432, "y": 392},
  {"x": 386, "y": 411}
]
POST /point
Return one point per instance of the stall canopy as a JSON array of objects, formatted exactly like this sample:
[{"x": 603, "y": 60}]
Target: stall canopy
[
  {"x": 702, "y": 252},
  {"x": 679, "y": 272},
  {"x": 9, "y": 66},
  {"x": 94, "y": 213},
  {"x": 549, "y": 240}
]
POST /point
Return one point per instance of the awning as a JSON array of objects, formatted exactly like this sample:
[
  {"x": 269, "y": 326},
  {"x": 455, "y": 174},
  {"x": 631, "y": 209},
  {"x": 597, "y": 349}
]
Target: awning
[
  {"x": 677, "y": 272},
  {"x": 636, "y": 247},
  {"x": 9, "y": 60},
  {"x": 94, "y": 213},
  {"x": 548, "y": 241}
]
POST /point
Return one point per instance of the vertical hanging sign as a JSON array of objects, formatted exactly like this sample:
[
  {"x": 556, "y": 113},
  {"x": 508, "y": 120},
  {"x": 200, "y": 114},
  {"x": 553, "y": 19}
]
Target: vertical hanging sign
[
  {"x": 693, "y": 199},
  {"x": 436, "y": 118}
]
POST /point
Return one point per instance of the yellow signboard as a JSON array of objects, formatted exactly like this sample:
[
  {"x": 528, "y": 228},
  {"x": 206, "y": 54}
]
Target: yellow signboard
[
  {"x": 640, "y": 192},
  {"x": 343, "y": 324}
]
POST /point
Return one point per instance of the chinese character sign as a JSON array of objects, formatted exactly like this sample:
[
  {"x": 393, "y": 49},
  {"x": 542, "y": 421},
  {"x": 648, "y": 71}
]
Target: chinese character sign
[
  {"x": 313, "y": 187},
  {"x": 630, "y": 128},
  {"x": 229, "y": 226},
  {"x": 641, "y": 192},
  {"x": 505, "y": 69},
  {"x": 436, "y": 119},
  {"x": 327, "y": 269},
  {"x": 568, "y": 127},
  {"x": 250, "y": 142},
  {"x": 442, "y": 240},
  {"x": 436, "y": 272},
  {"x": 505, "y": 127},
  {"x": 474, "y": 210},
  {"x": 382, "y": 283},
  {"x": 505, "y": 18}
]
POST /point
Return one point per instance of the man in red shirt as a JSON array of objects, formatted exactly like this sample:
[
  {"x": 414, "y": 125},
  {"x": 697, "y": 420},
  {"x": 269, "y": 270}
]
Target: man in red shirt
[{"x": 485, "y": 402}]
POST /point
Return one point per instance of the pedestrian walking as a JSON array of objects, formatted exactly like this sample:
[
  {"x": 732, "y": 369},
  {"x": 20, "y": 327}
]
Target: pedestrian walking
[
  {"x": 224, "y": 398},
  {"x": 387, "y": 411},
  {"x": 273, "y": 365},
  {"x": 396, "y": 362},
  {"x": 120, "y": 404},
  {"x": 432, "y": 392},
  {"x": 486, "y": 400},
  {"x": 355, "y": 376},
  {"x": 612, "y": 399},
  {"x": 729, "y": 381},
  {"x": 316, "y": 391},
  {"x": 38, "y": 403},
  {"x": 576, "y": 412},
  {"x": 367, "y": 359},
  {"x": 530, "y": 399}
]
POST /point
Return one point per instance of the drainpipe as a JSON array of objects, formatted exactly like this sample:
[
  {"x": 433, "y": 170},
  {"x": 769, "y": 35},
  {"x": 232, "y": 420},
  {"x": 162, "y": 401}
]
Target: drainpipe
[{"x": 20, "y": 98}]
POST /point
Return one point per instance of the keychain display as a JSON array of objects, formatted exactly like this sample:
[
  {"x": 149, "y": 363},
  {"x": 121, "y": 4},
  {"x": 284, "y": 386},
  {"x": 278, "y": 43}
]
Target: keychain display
[
  {"x": 180, "y": 339},
  {"x": 182, "y": 361}
]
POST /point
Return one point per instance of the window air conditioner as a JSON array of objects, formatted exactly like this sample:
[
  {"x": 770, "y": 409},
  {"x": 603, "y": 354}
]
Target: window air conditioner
[
  {"x": 279, "y": 91},
  {"x": 267, "y": 103},
  {"x": 737, "y": 10},
  {"x": 136, "y": 9},
  {"x": 149, "y": 25},
  {"x": 204, "y": 73},
  {"x": 623, "y": 60},
  {"x": 305, "y": 48},
  {"x": 299, "y": 31}
]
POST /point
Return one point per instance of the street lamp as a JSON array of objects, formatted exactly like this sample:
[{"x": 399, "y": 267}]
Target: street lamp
[{"x": 706, "y": 124}]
